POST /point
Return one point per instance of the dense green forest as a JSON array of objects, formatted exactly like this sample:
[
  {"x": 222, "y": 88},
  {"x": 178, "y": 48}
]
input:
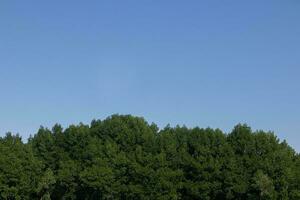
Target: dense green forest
[{"x": 124, "y": 157}]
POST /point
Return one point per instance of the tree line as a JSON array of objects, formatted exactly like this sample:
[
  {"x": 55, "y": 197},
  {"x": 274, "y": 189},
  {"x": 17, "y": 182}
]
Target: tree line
[{"x": 124, "y": 157}]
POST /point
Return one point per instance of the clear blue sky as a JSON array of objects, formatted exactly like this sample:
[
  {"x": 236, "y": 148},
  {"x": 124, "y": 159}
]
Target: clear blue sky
[{"x": 206, "y": 63}]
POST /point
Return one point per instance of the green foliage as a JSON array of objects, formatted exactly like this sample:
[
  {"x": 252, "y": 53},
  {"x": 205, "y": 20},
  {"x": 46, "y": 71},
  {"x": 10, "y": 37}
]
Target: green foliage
[
  {"x": 20, "y": 171},
  {"x": 45, "y": 186},
  {"x": 124, "y": 157}
]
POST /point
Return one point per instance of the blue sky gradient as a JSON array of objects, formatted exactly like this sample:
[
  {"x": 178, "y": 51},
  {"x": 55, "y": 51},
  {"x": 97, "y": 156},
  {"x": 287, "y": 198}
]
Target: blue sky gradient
[{"x": 198, "y": 63}]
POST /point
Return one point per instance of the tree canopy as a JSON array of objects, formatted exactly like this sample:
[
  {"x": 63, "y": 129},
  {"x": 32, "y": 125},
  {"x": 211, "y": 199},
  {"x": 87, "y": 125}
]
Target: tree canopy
[{"x": 125, "y": 157}]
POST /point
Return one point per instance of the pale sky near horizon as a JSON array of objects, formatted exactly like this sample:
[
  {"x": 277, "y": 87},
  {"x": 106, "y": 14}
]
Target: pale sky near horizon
[{"x": 198, "y": 63}]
